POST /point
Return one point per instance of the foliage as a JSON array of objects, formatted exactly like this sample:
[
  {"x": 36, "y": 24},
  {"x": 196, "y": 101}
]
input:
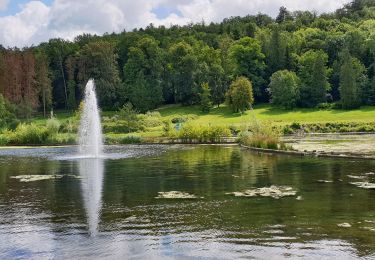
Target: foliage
[
  {"x": 53, "y": 126},
  {"x": 205, "y": 97},
  {"x": 314, "y": 78},
  {"x": 28, "y": 134},
  {"x": 97, "y": 60},
  {"x": 240, "y": 94},
  {"x": 6, "y": 115},
  {"x": 142, "y": 74},
  {"x": 261, "y": 136},
  {"x": 284, "y": 89},
  {"x": 249, "y": 61},
  {"x": 352, "y": 80},
  {"x": 155, "y": 66},
  {"x": 202, "y": 133}
]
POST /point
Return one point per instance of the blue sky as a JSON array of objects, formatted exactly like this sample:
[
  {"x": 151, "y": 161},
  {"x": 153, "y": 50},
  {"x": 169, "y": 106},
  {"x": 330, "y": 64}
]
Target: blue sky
[
  {"x": 14, "y": 6},
  {"x": 30, "y": 22}
]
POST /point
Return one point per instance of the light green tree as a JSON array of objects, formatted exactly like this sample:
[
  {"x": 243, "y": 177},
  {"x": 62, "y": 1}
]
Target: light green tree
[
  {"x": 240, "y": 94},
  {"x": 284, "y": 89}
]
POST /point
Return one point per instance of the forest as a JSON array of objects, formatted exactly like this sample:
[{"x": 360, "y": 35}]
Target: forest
[{"x": 298, "y": 59}]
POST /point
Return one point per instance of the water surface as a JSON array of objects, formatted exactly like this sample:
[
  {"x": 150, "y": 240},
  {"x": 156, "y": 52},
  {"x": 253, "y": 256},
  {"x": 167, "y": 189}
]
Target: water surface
[{"x": 107, "y": 208}]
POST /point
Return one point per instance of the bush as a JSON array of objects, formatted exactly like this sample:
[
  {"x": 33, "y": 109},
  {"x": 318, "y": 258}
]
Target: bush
[
  {"x": 124, "y": 140},
  {"x": 28, "y": 134},
  {"x": 53, "y": 126},
  {"x": 168, "y": 129},
  {"x": 325, "y": 106},
  {"x": 150, "y": 119},
  {"x": 259, "y": 136},
  {"x": 183, "y": 118},
  {"x": 69, "y": 126},
  {"x": 199, "y": 133}
]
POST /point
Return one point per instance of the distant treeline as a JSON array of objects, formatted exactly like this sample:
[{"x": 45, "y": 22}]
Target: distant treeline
[{"x": 298, "y": 59}]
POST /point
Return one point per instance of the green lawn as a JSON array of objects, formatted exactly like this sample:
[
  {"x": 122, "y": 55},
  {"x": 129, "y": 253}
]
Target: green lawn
[
  {"x": 266, "y": 113},
  {"x": 225, "y": 116}
]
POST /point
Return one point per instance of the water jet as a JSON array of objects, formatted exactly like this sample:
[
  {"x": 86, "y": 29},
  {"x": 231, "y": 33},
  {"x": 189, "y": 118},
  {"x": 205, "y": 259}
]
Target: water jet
[{"x": 90, "y": 129}]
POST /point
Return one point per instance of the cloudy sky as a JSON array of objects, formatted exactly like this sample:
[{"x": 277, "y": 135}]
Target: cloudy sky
[{"x": 25, "y": 22}]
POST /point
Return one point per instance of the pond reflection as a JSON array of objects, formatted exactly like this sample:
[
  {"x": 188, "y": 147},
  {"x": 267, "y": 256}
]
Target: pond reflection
[{"x": 91, "y": 172}]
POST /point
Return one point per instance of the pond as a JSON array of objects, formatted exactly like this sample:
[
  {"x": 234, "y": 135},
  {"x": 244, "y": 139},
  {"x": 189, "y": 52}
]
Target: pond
[{"x": 181, "y": 202}]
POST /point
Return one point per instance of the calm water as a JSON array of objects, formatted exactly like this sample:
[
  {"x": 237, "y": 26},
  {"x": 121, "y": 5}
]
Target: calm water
[{"x": 107, "y": 208}]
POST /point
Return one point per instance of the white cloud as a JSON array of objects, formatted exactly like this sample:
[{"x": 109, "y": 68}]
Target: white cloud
[
  {"x": 3, "y": 4},
  {"x": 38, "y": 22}
]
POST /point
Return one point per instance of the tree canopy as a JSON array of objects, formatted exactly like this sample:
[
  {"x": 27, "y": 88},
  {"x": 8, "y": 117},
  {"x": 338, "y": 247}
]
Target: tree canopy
[{"x": 152, "y": 66}]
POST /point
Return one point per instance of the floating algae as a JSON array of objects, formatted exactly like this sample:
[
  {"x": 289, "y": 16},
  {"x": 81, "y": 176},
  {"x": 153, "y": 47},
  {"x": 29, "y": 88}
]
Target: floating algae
[
  {"x": 357, "y": 177},
  {"x": 364, "y": 184},
  {"x": 273, "y": 191},
  {"x": 324, "y": 181},
  {"x": 344, "y": 225},
  {"x": 175, "y": 195},
  {"x": 29, "y": 178}
]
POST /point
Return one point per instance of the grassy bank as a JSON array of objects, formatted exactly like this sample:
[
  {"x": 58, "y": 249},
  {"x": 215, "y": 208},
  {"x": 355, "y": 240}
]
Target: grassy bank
[{"x": 194, "y": 124}]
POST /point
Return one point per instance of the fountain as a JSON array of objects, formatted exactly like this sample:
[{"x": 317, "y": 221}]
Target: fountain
[
  {"x": 91, "y": 164},
  {"x": 90, "y": 130}
]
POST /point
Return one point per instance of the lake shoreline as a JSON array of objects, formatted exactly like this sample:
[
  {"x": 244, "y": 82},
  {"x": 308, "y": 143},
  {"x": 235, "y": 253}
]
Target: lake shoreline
[{"x": 331, "y": 145}]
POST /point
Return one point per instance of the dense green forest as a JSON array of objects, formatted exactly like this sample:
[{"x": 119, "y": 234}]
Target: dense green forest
[{"x": 298, "y": 59}]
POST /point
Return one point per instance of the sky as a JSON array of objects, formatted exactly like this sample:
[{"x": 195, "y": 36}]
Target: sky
[{"x": 29, "y": 22}]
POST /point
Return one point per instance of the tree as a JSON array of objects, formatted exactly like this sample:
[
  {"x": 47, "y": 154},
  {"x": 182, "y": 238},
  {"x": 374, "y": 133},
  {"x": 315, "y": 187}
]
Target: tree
[
  {"x": 205, "y": 96},
  {"x": 210, "y": 71},
  {"x": 283, "y": 15},
  {"x": 314, "y": 78},
  {"x": 182, "y": 67},
  {"x": 142, "y": 74},
  {"x": 249, "y": 62},
  {"x": 284, "y": 89},
  {"x": 97, "y": 60},
  {"x": 352, "y": 79},
  {"x": 240, "y": 94},
  {"x": 276, "y": 53}
]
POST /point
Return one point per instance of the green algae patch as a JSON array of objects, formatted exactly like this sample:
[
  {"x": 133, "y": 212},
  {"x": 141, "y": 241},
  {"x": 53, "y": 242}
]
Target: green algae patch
[
  {"x": 273, "y": 191},
  {"x": 30, "y": 178},
  {"x": 175, "y": 195}
]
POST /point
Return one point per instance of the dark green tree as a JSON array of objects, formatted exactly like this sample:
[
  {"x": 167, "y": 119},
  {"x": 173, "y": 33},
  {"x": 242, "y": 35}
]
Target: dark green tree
[
  {"x": 182, "y": 68},
  {"x": 97, "y": 60},
  {"x": 143, "y": 74},
  {"x": 352, "y": 79},
  {"x": 205, "y": 97},
  {"x": 313, "y": 73},
  {"x": 248, "y": 61}
]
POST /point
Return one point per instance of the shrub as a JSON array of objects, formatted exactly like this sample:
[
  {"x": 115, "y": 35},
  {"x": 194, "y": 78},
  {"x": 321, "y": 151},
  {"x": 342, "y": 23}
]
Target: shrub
[
  {"x": 69, "y": 126},
  {"x": 324, "y": 106},
  {"x": 168, "y": 129},
  {"x": 28, "y": 134},
  {"x": 199, "y": 133},
  {"x": 183, "y": 118},
  {"x": 261, "y": 136},
  {"x": 53, "y": 125},
  {"x": 124, "y": 140}
]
